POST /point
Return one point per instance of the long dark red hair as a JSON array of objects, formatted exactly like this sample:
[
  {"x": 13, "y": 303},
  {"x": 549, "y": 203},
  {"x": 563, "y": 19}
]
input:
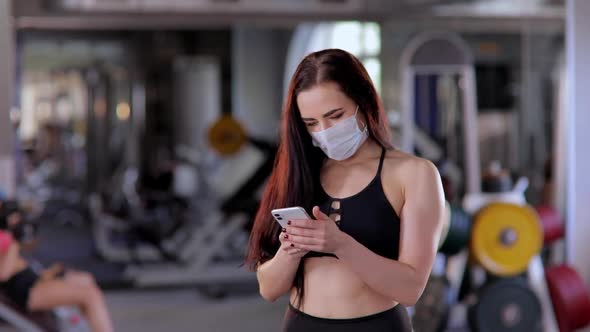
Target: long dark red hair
[{"x": 295, "y": 178}]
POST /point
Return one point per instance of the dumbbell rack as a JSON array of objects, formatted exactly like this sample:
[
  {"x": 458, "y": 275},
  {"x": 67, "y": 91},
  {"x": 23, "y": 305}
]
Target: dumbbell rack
[
  {"x": 502, "y": 245},
  {"x": 457, "y": 264}
]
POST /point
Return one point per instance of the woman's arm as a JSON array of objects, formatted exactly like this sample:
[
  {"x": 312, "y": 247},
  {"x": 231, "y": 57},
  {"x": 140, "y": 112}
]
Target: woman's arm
[
  {"x": 421, "y": 221},
  {"x": 8, "y": 261},
  {"x": 275, "y": 277}
]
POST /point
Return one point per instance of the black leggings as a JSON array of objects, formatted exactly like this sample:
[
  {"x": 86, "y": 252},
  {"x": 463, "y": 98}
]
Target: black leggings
[{"x": 395, "y": 319}]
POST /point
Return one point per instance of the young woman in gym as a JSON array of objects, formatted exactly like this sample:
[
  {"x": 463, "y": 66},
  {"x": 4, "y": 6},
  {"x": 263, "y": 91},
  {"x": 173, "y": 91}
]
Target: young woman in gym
[
  {"x": 53, "y": 287},
  {"x": 377, "y": 212}
]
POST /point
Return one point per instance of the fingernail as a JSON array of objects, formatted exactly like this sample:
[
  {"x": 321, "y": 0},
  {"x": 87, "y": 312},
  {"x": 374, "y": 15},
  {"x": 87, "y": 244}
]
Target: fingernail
[
  {"x": 284, "y": 230},
  {"x": 289, "y": 222},
  {"x": 292, "y": 245},
  {"x": 286, "y": 236}
]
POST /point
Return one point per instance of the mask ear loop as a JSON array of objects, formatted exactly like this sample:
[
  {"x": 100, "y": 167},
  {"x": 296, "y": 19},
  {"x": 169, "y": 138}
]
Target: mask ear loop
[{"x": 366, "y": 129}]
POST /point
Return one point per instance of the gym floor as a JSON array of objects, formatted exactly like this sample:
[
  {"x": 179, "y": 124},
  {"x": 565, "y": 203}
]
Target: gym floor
[
  {"x": 187, "y": 310},
  {"x": 182, "y": 310}
]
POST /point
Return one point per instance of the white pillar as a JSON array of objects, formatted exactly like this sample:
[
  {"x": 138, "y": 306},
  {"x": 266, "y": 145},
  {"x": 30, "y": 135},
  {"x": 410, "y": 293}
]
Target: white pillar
[
  {"x": 6, "y": 97},
  {"x": 578, "y": 104},
  {"x": 258, "y": 60},
  {"x": 198, "y": 90}
]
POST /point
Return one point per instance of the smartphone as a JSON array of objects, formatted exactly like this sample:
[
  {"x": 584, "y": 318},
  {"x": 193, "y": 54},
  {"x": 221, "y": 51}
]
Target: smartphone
[{"x": 285, "y": 214}]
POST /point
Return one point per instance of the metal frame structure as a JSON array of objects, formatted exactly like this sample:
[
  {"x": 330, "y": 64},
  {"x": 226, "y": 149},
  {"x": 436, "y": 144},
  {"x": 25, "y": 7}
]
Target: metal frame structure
[
  {"x": 16, "y": 320},
  {"x": 456, "y": 60}
]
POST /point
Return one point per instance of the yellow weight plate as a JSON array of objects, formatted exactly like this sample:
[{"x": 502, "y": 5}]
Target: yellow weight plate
[
  {"x": 505, "y": 237},
  {"x": 227, "y": 136}
]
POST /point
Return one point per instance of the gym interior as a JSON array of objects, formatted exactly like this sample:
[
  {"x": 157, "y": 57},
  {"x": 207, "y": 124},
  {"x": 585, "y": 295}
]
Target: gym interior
[{"x": 137, "y": 136}]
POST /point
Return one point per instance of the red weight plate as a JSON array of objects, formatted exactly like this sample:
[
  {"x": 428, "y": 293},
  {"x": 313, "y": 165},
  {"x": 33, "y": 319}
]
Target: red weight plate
[
  {"x": 552, "y": 224},
  {"x": 560, "y": 305},
  {"x": 580, "y": 307},
  {"x": 570, "y": 298}
]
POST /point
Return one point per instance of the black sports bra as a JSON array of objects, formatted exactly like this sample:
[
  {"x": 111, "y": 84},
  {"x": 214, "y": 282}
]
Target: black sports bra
[{"x": 366, "y": 216}]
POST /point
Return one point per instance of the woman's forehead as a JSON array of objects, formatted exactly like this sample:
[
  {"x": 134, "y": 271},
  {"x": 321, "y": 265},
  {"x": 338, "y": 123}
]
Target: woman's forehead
[{"x": 320, "y": 99}]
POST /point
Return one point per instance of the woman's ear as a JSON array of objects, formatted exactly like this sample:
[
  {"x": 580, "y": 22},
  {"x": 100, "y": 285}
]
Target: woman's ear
[{"x": 362, "y": 121}]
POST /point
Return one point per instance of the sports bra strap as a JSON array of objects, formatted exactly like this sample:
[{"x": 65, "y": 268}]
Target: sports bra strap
[{"x": 381, "y": 161}]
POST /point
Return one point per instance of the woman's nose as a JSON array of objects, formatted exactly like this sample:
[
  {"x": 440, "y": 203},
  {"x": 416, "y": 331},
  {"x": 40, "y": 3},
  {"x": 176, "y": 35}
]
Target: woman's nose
[{"x": 323, "y": 126}]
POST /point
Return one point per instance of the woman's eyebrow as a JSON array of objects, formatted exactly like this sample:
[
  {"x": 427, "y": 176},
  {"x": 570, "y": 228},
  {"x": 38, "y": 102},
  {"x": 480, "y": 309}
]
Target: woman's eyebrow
[{"x": 327, "y": 114}]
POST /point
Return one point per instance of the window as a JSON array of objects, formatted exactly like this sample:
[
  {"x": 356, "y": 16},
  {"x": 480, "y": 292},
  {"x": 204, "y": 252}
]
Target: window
[{"x": 363, "y": 39}]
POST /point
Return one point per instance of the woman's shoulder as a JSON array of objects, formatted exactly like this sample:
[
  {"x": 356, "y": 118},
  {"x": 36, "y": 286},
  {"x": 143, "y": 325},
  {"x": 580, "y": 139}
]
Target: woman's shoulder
[{"x": 400, "y": 166}]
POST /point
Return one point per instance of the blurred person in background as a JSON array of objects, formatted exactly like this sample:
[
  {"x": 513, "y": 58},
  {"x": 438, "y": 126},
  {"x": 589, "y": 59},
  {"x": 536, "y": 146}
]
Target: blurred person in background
[{"x": 53, "y": 287}]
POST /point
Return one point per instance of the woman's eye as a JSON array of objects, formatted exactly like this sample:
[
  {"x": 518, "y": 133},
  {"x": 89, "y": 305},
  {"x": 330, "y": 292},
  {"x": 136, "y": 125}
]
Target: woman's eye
[
  {"x": 311, "y": 124},
  {"x": 337, "y": 116}
]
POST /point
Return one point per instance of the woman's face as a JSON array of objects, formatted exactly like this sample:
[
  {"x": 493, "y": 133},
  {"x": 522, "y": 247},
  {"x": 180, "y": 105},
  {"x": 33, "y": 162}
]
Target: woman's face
[
  {"x": 13, "y": 219},
  {"x": 324, "y": 105}
]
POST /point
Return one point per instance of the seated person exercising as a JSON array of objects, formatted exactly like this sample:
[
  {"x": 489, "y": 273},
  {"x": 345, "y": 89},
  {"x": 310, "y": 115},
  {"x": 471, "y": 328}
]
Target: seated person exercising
[{"x": 51, "y": 288}]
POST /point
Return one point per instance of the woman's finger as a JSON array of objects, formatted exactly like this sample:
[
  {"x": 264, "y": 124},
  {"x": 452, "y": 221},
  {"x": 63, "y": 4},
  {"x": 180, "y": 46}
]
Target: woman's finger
[
  {"x": 282, "y": 234},
  {"x": 299, "y": 231},
  {"x": 303, "y": 223},
  {"x": 302, "y": 239}
]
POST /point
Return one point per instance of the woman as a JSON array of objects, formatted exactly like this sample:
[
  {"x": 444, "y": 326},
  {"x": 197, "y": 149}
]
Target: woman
[
  {"x": 378, "y": 211},
  {"x": 53, "y": 287}
]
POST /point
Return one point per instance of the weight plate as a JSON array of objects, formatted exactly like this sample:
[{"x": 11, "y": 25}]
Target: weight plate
[
  {"x": 570, "y": 298},
  {"x": 227, "y": 136},
  {"x": 458, "y": 233},
  {"x": 505, "y": 237},
  {"x": 506, "y": 305}
]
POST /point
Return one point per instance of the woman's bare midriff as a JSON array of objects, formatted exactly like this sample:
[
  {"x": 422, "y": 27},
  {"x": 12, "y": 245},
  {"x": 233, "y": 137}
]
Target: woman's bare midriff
[{"x": 334, "y": 291}]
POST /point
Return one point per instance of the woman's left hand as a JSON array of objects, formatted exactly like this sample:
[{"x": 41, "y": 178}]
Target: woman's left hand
[
  {"x": 53, "y": 272},
  {"x": 321, "y": 235}
]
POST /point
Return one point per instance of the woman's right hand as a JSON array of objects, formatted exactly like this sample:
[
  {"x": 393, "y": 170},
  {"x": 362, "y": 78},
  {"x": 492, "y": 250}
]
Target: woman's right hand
[{"x": 287, "y": 246}]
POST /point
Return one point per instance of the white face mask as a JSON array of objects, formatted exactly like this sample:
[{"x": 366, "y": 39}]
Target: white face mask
[{"x": 342, "y": 140}]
